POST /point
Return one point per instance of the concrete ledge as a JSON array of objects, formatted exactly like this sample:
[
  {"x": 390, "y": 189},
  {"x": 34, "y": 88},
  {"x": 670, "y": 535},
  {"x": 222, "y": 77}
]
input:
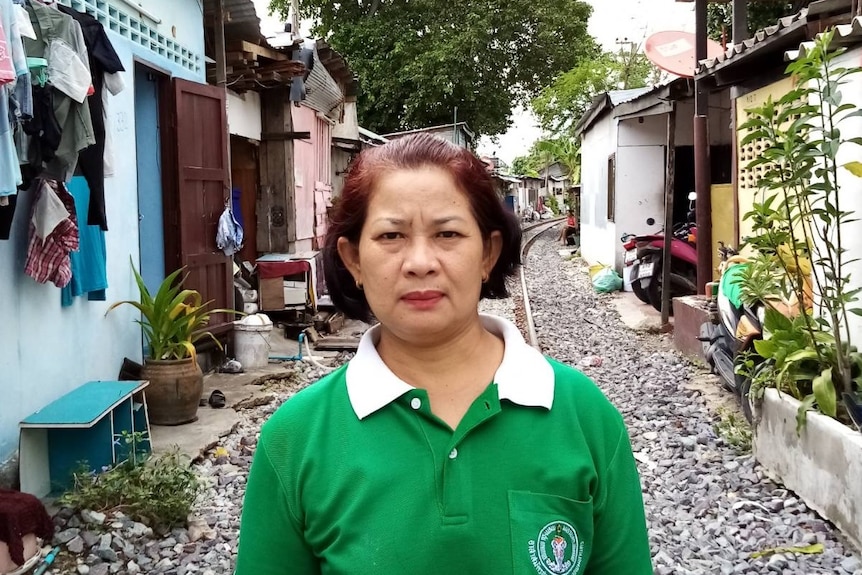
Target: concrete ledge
[
  {"x": 689, "y": 313},
  {"x": 823, "y": 465}
]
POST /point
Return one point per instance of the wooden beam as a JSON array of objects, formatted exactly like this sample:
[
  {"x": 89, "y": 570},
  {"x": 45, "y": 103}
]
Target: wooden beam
[
  {"x": 276, "y": 208},
  {"x": 274, "y": 136},
  {"x": 262, "y": 51},
  {"x": 221, "y": 71}
]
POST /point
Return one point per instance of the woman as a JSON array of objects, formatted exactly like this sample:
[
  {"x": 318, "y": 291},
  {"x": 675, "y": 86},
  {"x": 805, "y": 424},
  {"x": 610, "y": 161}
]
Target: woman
[
  {"x": 570, "y": 229},
  {"x": 447, "y": 444}
]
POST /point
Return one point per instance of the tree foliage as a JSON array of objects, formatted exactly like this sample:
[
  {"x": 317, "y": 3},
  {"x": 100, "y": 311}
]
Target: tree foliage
[
  {"x": 545, "y": 152},
  {"x": 761, "y": 14},
  {"x": 418, "y": 59},
  {"x": 560, "y": 105}
]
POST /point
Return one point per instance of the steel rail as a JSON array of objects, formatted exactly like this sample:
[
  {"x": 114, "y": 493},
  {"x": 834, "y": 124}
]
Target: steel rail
[{"x": 541, "y": 228}]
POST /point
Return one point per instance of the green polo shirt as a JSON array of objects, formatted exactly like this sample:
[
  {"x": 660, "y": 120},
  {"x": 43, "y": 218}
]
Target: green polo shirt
[{"x": 356, "y": 475}]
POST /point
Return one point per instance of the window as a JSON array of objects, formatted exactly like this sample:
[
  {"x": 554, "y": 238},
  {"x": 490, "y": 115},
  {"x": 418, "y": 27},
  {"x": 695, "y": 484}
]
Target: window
[{"x": 611, "y": 186}]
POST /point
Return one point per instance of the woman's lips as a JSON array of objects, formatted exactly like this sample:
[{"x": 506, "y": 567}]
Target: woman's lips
[{"x": 422, "y": 299}]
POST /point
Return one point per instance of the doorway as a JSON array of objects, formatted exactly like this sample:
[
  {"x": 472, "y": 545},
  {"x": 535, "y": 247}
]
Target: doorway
[{"x": 151, "y": 225}]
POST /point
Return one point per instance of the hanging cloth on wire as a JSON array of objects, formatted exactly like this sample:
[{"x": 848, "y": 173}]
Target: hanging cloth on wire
[{"x": 229, "y": 234}]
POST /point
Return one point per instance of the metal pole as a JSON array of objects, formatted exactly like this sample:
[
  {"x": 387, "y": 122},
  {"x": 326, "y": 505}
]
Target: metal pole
[
  {"x": 740, "y": 21},
  {"x": 218, "y": 29},
  {"x": 455, "y": 138},
  {"x": 668, "y": 214},
  {"x": 702, "y": 177}
]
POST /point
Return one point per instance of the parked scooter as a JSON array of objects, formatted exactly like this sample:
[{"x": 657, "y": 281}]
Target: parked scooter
[
  {"x": 645, "y": 254},
  {"x": 732, "y": 327}
]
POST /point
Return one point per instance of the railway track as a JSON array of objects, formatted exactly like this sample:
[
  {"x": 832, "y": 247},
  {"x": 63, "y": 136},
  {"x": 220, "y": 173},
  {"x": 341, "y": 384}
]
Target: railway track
[{"x": 530, "y": 234}]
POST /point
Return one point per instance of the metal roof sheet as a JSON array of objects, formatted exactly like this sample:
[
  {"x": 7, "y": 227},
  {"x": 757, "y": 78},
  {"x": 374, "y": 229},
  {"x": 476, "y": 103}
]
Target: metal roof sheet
[
  {"x": 781, "y": 27},
  {"x": 844, "y": 34}
]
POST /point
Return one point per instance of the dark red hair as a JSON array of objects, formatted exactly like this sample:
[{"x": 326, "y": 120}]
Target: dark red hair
[{"x": 347, "y": 216}]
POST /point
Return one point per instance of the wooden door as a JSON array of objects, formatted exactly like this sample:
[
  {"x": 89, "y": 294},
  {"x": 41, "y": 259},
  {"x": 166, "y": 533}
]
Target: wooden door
[
  {"x": 245, "y": 178},
  {"x": 203, "y": 185}
]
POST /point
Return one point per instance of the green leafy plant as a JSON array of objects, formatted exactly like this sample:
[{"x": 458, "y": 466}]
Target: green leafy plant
[
  {"x": 158, "y": 490},
  {"x": 735, "y": 430},
  {"x": 173, "y": 319},
  {"x": 800, "y": 271}
]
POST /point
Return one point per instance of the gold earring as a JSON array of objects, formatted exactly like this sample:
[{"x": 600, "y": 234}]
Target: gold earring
[{"x": 359, "y": 285}]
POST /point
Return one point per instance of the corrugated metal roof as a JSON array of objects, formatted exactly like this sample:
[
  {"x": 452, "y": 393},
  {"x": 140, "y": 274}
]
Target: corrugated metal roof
[
  {"x": 323, "y": 93},
  {"x": 844, "y": 34},
  {"x": 783, "y": 26},
  {"x": 607, "y": 101},
  {"x": 618, "y": 97}
]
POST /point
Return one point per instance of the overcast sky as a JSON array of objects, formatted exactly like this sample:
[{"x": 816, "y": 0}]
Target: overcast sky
[{"x": 612, "y": 21}]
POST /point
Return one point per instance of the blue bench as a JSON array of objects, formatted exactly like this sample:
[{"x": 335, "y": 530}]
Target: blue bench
[{"x": 84, "y": 426}]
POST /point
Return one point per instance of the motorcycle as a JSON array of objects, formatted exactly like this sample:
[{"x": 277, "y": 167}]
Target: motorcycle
[
  {"x": 732, "y": 328},
  {"x": 645, "y": 253}
]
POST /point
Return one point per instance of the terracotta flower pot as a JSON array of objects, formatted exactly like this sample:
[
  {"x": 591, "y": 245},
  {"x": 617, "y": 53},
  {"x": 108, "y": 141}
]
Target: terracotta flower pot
[{"x": 175, "y": 390}]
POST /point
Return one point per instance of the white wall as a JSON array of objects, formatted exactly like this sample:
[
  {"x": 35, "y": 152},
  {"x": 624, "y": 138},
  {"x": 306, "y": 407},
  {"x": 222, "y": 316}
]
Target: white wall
[
  {"x": 47, "y": 350},
  {"x": 851, "y": 187},
  {"x": 348, "y": 127},
  {"x": 597, "y": 233},
  {"x": 243, "y": 114}
]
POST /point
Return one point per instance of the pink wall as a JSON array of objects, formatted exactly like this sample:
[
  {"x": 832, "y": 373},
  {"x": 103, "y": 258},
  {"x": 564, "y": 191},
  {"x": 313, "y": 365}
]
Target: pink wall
[{"x": 312, "y": 177}]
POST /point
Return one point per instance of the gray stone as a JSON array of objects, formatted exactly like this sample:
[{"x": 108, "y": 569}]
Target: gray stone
[
  {"x": 99, "y": 569},
  {"x": 76, "y": 545},
  {"x": 107, "y": 554},
  {"x": 83, "y": 569},
  {"x": 93, "y": 517},
  {"x": 66, "y": 535}
]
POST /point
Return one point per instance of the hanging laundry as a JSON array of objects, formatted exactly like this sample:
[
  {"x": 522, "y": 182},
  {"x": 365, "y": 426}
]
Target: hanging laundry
[
  {"x": 7, "y": 70},
  {"x": 229, "y": 234},
  {"x": 10, "y": 169},
  {"x": 103, "y": 62},
  {"x": 53, "y": 233},
  {"x": 89, "y": 263},
  {"x": 72, "y": 116}
]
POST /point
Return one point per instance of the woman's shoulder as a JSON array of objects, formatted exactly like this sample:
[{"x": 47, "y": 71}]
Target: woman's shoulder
[
  {"x": 310, "y": 403},
  {"x": 575, "y": 390}
]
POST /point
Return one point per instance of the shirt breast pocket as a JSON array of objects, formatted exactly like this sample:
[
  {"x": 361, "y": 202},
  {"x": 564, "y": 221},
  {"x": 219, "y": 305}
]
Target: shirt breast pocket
[{"x": 551, "y": 535}]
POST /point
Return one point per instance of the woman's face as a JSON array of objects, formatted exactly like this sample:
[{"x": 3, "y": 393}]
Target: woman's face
[{"x": 421, "y": 257}]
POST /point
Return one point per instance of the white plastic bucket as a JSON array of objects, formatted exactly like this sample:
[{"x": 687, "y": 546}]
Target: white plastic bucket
[
  {"x": 627, "y": 278},
  {"x": 251, "y": 341}
]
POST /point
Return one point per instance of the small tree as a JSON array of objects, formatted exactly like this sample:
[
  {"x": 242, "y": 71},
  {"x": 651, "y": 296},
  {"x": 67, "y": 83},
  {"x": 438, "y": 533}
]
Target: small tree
[{"x": 798, "y": 233}]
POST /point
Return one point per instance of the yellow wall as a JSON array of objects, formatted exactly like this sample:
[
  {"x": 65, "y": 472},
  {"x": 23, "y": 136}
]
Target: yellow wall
[
  {"x": 747, "y": 179},
  {"x": 723, "y": 228}
]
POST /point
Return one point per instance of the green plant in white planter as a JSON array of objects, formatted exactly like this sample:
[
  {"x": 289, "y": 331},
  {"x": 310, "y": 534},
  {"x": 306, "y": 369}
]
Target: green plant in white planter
[{"x": 799, "y": 235}]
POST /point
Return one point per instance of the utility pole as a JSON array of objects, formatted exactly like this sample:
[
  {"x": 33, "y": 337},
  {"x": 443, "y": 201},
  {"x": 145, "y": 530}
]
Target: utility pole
[{"x": 702, "y": 176}]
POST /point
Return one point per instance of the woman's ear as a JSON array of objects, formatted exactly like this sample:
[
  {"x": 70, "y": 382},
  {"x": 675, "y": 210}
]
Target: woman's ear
[
  {"x": 349, "y": 254},
  {"x": 493, "y": 248}
]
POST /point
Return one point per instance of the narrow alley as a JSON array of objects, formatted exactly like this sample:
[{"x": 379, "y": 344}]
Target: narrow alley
[{"x": 710, "y": 509}]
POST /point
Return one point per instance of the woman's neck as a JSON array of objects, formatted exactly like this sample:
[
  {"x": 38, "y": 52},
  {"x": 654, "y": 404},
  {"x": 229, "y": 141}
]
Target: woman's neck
[{"x": 463, "y": 350}]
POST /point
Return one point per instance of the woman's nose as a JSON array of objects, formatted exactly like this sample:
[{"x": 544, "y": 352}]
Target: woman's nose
[{"x": 421, "y": 257}]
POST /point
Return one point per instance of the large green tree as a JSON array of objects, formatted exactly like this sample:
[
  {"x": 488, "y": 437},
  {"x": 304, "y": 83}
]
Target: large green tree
[
  {"x": 559, "y": 106},
  {"x": 417, "y": 60},
  {"x": 761, "y": 14}
]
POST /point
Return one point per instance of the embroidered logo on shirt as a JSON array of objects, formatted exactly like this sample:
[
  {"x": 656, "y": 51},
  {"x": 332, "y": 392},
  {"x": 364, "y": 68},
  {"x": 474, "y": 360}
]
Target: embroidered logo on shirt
[{"x": 557, "y": 550}]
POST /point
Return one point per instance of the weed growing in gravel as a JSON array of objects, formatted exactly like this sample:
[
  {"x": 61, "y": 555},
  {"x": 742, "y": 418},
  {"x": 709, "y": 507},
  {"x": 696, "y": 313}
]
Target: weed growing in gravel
[
  {"x": 735, "y": 430},
  {"x": 158, "y": 490}
]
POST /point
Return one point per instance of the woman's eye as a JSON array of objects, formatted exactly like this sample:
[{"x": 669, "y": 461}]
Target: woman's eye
[
  {"x": 390, "y": 236},
  {"x": 449, "y": 234}
]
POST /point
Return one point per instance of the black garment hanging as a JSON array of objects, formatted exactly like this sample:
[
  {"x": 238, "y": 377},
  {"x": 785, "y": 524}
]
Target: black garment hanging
[
  {"x": 43, "y": 127},
  {"x": 91, "y": 161}
]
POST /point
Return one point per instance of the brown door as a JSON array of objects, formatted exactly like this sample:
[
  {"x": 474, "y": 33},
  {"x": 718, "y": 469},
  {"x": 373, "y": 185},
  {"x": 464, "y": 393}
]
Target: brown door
[
  {"x": 245, "y": 178},
  {"x": 203, "y": 185}
]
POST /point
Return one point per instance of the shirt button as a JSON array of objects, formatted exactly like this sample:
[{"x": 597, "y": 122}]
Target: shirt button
[
  {"x": 415, "y": 403},
  {"x": 454, "y": 453}
]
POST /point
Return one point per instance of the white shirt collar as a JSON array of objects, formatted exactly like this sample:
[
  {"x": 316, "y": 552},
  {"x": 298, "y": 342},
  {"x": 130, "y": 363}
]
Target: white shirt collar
[{"x": 524, "y": 377}]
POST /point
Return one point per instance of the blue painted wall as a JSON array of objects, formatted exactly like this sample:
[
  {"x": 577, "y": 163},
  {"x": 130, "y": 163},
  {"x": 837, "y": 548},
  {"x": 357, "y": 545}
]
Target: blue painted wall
[{"x": 46, "y": 350}]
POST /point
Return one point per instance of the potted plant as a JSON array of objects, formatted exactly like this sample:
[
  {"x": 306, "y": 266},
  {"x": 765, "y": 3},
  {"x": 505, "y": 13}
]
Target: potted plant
[{"x": 172, "y": 321}]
